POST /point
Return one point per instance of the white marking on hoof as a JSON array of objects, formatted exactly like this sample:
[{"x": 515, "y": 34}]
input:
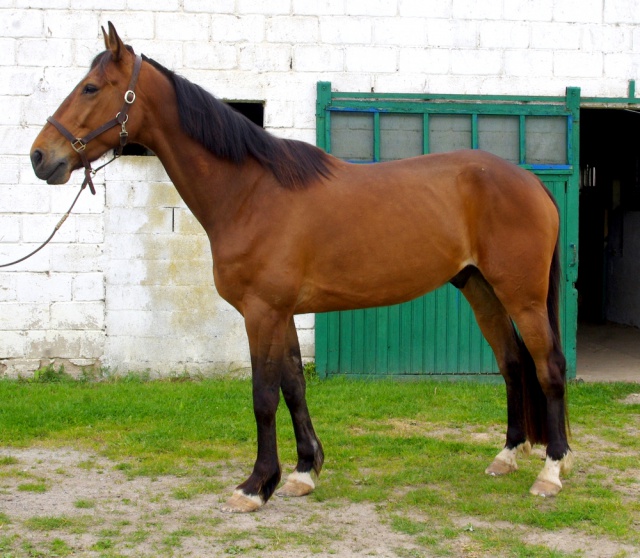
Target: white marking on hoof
[
  {"x": 505, "y": 462},
  {"x": 242, "y": 503},
  {"x": 548, "y": 482},
  {"x": 298, "y": 484}
]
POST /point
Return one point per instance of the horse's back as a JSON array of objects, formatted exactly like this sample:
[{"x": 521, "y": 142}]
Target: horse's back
[{"x": 386, "y": 233}]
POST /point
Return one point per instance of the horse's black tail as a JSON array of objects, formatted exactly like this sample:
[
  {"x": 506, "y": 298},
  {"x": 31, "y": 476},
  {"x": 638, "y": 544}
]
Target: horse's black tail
[{"x": 534, "y": 399}]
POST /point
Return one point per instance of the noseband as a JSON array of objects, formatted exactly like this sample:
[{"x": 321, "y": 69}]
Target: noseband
[{"x": 80, "y": 144}]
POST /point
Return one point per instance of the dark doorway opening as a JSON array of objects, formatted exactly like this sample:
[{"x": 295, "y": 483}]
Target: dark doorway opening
[{"x": 609, "y": 258}]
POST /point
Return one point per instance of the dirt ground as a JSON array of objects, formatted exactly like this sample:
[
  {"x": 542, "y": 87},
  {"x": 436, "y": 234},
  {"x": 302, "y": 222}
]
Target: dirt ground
[{"x": 101, "y": 512}]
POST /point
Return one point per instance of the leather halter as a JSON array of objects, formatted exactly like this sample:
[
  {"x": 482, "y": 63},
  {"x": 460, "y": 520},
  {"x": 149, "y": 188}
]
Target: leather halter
[{"x": 80, "y": 144}]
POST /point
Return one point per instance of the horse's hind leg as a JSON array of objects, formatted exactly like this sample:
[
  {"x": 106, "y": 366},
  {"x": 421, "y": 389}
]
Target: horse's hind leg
[
  {"x": 550, "y": 367},
  {"x": 310, "y": 454},
  {"x": 498, "y": 330}
]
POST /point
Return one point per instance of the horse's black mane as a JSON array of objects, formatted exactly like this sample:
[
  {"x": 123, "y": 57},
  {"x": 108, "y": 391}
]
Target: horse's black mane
[{"x": 230, "y": 135}]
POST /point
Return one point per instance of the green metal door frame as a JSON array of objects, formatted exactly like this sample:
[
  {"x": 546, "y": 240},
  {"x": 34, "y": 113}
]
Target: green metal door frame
[{"x": 338, "y": 333}]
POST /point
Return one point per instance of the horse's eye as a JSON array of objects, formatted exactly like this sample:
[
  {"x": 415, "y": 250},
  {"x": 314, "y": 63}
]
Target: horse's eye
[{"x": 89, "y": 89}]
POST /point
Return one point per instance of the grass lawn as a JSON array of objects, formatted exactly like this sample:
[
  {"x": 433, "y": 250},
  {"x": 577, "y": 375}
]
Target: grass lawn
[{"x": 413, "y": 451}]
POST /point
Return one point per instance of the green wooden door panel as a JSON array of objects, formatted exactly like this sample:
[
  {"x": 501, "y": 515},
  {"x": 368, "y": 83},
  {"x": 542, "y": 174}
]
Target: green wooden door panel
[{"x": 437, "y": 334}]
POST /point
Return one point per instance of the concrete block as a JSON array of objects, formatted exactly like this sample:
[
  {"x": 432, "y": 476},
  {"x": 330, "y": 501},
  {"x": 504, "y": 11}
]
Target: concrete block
[
  {"x": 78, "y": 258},
  {"x": 71, "y": 344},
  {"x": 44, "y": 52},
  {"x": 125, "y": 272},
  {"x": 210, "y": 56},
  {"x": 305, "y": 321},
  {"x": 14, "y": 140},
  {"x": 306, "y": 338},
  {"x": 607, "y": 39},
  {"x": 62, "y": 24},
  {"x": 184, "y": 222},
  {"x": 265, "y": 57},
  {"x": 292, "y": 29},
  {"x": 26, "y": 199},
  {"x": 21, "y": 23},
  {"x": 17, "y": 316},
  {"x": 371, "y": 59},
  {"x": 77, "y": 315},
  {"x": 371, "y": 8},
  {"x": 89, "y": 229},
  {"x": 278, "y": 114},
  {"x": 88, "y": 287},
  {"x": 579, "y": 11},
  {"x": 622, "y": 12},
  {"x": 34, "y": 4},
  {"x": 100, "y": 5},
  {"x": 529, "y": 10},
  {"x": 183, "y": 27},
  {"x": 431, "y": 10},
  {"x": 10, "y": 227},
  {"x": 210, "y": 6},
  {"x": 409, "y": 82},
  {"x": 477, "y": 62},
  {"x": 131, "y": 25},
  {"x": 472, "y": 9},
  {"x": 317, "y": 58},
  {"x": 11, "y": 109},
  {"x": 8, "y": 283},
  {"x": 318, "y": 7},
  {"x": 345, "y": 30},
  {"x": 43, "y": 288},
  {"x": 143, "y": 5},
  {"x": 621, "y": 65},
  {"x": 17, "y": 80},
  {"x": 8, "y": 48},
  {"x": 36, "y": 263},
  {"x": 396, "y": 31},
  {"x": 12, "y": 345},
  {"x": 555, "y": 36},
  {"x": 527, "y": 63},
  {"x": 577, "y": 64},
  {"x": 37, "y": 228},
  {"x": 138, "y": 220},
  {"x": 504, "y": 34},
  {"x": 273, "y": 7},
  {"x": 452, "y": 33},
  {"x": 424, "y": 60},
  {"x": 134, "y": 297},
  {"x": 235, "y": 29}
]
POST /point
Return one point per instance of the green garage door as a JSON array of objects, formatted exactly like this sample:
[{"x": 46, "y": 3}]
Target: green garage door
[{"x": 437, "y": 333}]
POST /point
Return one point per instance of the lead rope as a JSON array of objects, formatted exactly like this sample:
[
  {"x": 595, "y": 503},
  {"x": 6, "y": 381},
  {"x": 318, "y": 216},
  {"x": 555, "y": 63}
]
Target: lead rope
[{"x": 55, "y": 230}]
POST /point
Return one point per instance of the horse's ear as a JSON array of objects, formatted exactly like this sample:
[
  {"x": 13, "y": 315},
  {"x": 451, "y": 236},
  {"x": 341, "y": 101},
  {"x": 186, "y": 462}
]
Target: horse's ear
[{"x": 113, "y": 42}]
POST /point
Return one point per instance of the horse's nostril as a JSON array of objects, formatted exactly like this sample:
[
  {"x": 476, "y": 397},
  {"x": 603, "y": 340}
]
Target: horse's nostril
[{"x": 36, "y": 158}]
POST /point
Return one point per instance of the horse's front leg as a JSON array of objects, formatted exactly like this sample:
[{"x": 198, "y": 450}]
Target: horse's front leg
[
  {"x": 266, "y": 329},
  {"x": 310, "y": 454}
]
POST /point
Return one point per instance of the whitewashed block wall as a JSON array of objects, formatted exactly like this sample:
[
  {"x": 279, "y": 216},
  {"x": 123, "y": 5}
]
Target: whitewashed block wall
[{"x": 127, "y": 282}]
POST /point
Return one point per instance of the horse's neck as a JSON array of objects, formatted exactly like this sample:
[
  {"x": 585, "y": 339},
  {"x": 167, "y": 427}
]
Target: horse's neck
[{"x": 212, "y": 188}]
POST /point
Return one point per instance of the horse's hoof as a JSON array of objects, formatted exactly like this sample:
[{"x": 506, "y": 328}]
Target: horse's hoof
[
  {"x": 545, "y": 488},
  {"x": 242, "y": 503},
  {"x": 298, "y": 484},
  {"x": 500, "y": 467}
]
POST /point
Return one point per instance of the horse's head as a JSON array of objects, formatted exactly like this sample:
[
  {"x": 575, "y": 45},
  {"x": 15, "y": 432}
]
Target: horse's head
[{"x": 92, "y": 118}]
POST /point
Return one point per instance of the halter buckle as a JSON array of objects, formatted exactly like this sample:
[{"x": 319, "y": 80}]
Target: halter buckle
[
  {"x": 78, "y": 145},
  {"x": 130, "y": 97}
]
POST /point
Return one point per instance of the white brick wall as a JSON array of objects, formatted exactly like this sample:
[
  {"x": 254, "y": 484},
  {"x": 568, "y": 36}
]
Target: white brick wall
[{"x": 127, "y": 282}]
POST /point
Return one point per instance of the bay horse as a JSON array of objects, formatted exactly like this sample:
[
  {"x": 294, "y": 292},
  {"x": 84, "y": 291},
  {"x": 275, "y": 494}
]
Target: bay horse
[{"x": 294, "y": 230}]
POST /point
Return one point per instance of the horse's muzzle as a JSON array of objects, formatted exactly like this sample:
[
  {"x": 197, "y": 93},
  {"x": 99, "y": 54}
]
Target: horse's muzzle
[{"x": 55, "y": 171}]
